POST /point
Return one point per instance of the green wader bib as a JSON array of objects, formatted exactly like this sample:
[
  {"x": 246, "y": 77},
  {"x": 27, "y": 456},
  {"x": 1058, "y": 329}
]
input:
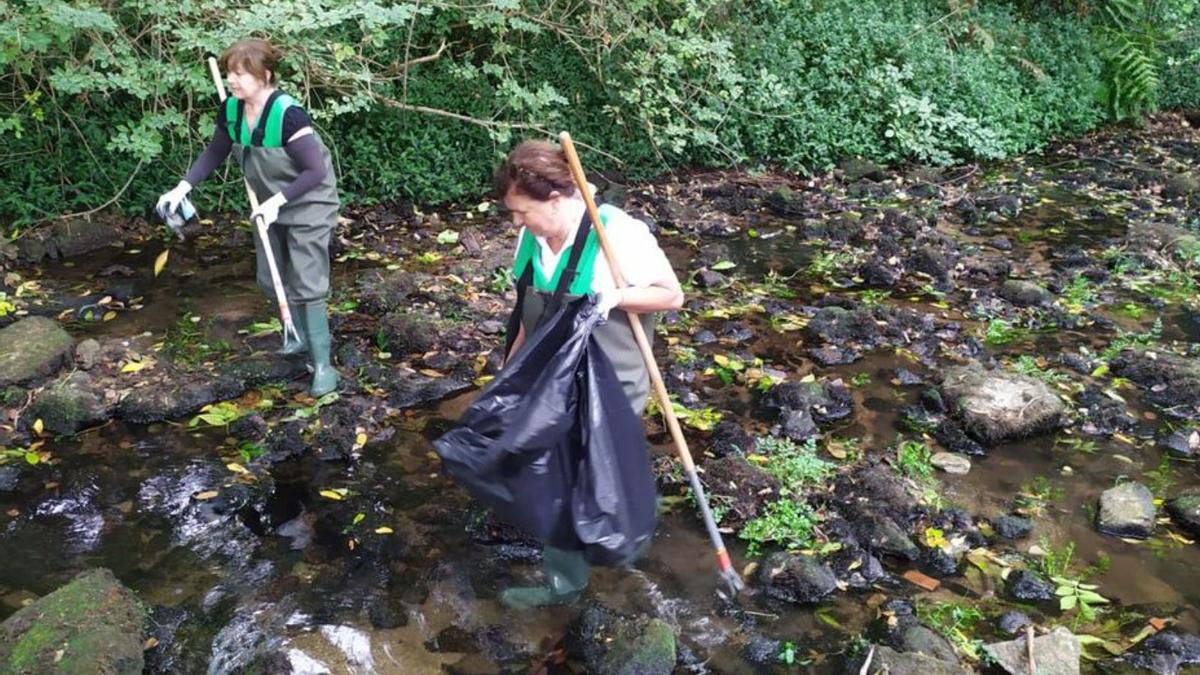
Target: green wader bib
[
  {"x": 300, "y": 237},
  {"x": 539, "y": 297}
]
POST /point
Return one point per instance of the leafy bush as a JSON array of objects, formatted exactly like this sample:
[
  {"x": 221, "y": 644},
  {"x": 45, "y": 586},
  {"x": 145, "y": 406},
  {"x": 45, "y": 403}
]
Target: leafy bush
[{"x": 106, "y": 100}]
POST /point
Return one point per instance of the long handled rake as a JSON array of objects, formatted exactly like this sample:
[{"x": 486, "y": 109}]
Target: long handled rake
[
  {"x": 291, "y": 336},
  {"x": 730, "y": 575}
]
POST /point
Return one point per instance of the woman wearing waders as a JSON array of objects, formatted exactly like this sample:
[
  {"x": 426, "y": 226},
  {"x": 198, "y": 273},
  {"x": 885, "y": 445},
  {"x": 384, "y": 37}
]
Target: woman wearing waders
[
  {"x": 290, "y": 171},
  {"x": 556, "y": 238}
]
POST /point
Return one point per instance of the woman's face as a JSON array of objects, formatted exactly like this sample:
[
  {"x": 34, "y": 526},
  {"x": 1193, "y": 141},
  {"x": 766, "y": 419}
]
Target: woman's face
[
  {"x": 541, "y": 217},
  {"x": 245, "y": 86}
]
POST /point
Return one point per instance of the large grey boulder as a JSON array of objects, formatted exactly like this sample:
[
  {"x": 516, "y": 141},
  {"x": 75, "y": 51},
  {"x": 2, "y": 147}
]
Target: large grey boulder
[
  {"x": 997, "y": 406},
  {"x": 32, "y": 348},
  {"x": 1056, "y": 653},
  {"x": 1126, "y": 510}
]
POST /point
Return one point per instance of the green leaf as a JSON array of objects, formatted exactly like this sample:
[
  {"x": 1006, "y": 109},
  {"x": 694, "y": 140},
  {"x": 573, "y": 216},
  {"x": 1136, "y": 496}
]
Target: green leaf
[
  {"x": 1067, "y": 603},
  {"x": 724, "y": 265}
]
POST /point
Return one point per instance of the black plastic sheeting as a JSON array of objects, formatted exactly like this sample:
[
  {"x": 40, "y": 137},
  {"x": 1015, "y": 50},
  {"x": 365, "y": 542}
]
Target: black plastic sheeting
[{"x": 553, "y": 446}]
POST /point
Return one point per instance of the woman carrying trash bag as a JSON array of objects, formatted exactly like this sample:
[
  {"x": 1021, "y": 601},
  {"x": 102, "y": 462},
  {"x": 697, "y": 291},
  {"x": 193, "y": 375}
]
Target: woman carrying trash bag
[
  {"x": 539, "y": 192},
  {"x": 289, "y": 169}
]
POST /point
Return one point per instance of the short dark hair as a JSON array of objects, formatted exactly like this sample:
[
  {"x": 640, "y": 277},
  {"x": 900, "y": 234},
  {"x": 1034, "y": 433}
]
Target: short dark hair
[{"x": 252, "y": 55}]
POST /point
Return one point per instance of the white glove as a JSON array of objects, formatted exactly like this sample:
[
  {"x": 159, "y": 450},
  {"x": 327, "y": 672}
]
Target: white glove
[
  {"x": 607, "y": 300},
  {"x": 169, "y": 202},
  {"x": 269, "y": 210}
]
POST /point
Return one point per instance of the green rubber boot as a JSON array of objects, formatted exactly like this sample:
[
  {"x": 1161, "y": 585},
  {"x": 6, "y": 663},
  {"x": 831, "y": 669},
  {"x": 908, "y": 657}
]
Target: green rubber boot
[
  {"x": 296, "y": 347},
  {"x": 566, "y": 575},
  {"x": 316, "y": 329}
]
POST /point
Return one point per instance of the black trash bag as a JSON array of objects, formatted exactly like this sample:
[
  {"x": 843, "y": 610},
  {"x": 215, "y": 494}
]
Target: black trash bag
[{"x": 554, "y": 448}]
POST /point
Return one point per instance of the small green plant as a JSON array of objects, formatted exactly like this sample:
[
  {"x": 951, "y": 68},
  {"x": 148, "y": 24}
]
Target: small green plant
[
  {"x": 874, "y": 297},
  {"x": 30, "y": 457},
  {"x": 727, "y": 368},
  {"x": 776, "y": 285},
  {"x": 262, "y": 328},
  {"x": 912, "y": 459},
  {"x": 796, "y": 466},
  {"x": 1035, "y": 496},
  {"x": 501, "y": 281},
  {"x": 1161, "y": 478},
  {"x": 787, "y": 652},
  {"x": 1076, "y": 444},
  {"x": 860, "y": 380},
  {"x": 185, "y": 343},
  {"x": 250, "y": 451},
  {"x": 684, "y": 355},
  {"x": 1126, "y": 340},
  {"x": 784, "y": 522},
  {"x": 1028, "y": 365},
  {"x": 956, "y": 622},
  {"x": 827, "y": 264},
  {"x": 1073, "y": 594},
  {"x": 701, "y": 419},
  {"x": 1078, "y": 295},
  {"x": 999, "y": 332}
]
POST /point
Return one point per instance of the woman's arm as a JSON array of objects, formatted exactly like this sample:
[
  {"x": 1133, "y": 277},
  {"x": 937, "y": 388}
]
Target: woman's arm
[
  {"x": 216, "y": 152},
  {"x": 305, "y": 151}
]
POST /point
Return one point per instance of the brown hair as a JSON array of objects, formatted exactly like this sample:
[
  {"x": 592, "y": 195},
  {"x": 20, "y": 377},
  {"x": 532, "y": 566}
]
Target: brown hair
[
  {"x": 535, "y": 168},
  {"x": 254, "y": 56}
]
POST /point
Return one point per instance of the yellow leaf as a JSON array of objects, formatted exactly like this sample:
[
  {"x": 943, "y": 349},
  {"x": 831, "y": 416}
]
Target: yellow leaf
[
  {"x": 236, "y": 468},
  {"x": 161, "y": 261},
  {"x": 135, "y": 365},
  {"x": 360, "y": 440},
  {"x": 330, "y": 494},
  {"x": 431, "y": 373},
  {"x": 383, "y": 530},
  {"x": 38, "y": 426},
  {"x": 757, "y": 459},
  {"x": 207, "y": 494},
  {"x": 110, "y": 315}
]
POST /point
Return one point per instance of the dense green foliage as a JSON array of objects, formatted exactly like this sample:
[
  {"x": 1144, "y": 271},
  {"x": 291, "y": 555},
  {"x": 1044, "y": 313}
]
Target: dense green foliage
[{"x": 103, "y": 98}]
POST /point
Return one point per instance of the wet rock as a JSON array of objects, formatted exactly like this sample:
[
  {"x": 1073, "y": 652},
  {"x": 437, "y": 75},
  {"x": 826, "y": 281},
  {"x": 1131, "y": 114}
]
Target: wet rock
[
  {"x": 1165, "y": 652},
  {"x": 746, "y": 487},
  {"x": 952, "y": 437},
  {"x": 510, "y": 543},
  {"x": 1184, "y": 443},
  {"x": 10, "y": 477},
  {"x": 1185, "y": 509},
  {"x": 826, "y": 402},
  {"x": 729, "y": 438},
  {"x": 1056, "y": 653},
  {"x": 1028, "y": 586},
  {"x": 854, "y": 169},
  {"x": 1000, "y": 243},
  {"x": 798, "y": 425},
  {"x": 32, "y": 348},
  {"x": 830, "y": 355},
  {"x": 249, "y": 428},
  {"x": 856, "y": 567},
  {"x": 1013, "y": 622},
  {"x": 163, "y": 625},
  {"x": 1180, "y": 185},
  {"x": 798, "y": 579},
  {"x": 878, "y": 272},
  {"x": 408, "y": 333},
  {"x": 92, "y": 625},
  {"x": 350, "y": 356},
  {"x": 704, "y": 337},
  {"x": 918, "y": 639},
  {"x": 997, "y": 406},
  {"x": 908, "y": 378},
  {"x": 931, "y": 261},
  {"x": 1173, "y": 381},
  {"x": 951, "y": 463},
  {"x": 880, "y": 533},
  {"x": 707, "y": 278},
  {"x": 1012, "y": 528},
  {"x": 887, "y": 660},
  {"x": 1025, "y": 294},
  {"x": 379, "y": 292},
  {"x": 69, "y": 405},
  {"x": 938, "y": 563},
  {"x": 839, "y": 326},
  {"x": 1126, "y": 510},
  {"x": 66, "y": 239},
  {"x": 761, "y": 650},
  {"x": 1103, "y": 415},
  {"x": 412, "y": 390},
  {"x": 609, "y": 643},
  {"x": 185, "y": 395},
  {"x": 87, "y": 353}
]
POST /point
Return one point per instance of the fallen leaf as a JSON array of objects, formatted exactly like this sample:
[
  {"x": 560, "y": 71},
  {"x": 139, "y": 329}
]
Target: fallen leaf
[
  {"x": 360, "y": 440},
  {"x": 161, "y": 261},
  {"x": 206, "y": 495},
  {"x": 236, "y": 468},
  {"x": 38, "y": 426},
  {"x": 330, "y": 494},
  {"x": 109, "y": 315},
  {"x": 383, "y": 530}
]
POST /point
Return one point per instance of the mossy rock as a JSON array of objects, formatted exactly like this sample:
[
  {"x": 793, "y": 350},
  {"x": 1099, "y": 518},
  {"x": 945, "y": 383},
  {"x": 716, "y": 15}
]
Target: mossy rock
[
  {"x": 93, "y": 625},
  {"x": 32, "y": 348},
  {"x": 610, "y": 643}
]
